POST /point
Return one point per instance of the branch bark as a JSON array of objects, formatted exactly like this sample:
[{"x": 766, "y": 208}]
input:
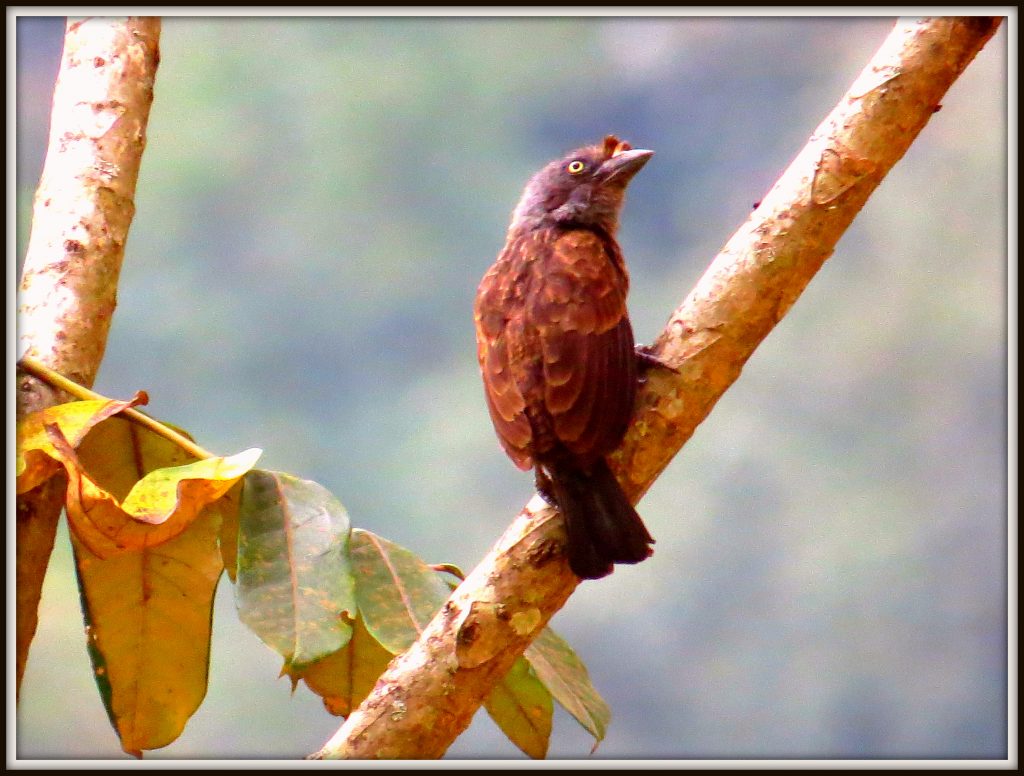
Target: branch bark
[
  {"x": 83, "y": 208},
  {"x": 430, "y": 693}
]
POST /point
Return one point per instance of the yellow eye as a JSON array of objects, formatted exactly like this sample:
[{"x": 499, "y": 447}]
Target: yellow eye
[{"x": 576, "y": 167}]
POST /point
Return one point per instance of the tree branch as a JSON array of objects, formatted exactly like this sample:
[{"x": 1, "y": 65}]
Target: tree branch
[
  {"x": 83, "y": 208},
  {"x": 430, "y": 693}
]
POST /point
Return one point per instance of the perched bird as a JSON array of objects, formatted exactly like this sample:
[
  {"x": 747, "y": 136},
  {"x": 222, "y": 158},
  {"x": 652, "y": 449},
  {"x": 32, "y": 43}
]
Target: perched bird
[{"x": 556, "y": 348}]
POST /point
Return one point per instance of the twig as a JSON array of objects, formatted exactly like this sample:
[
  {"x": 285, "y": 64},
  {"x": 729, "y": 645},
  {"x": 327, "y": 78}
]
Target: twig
[{"x": 59, "y": 381}]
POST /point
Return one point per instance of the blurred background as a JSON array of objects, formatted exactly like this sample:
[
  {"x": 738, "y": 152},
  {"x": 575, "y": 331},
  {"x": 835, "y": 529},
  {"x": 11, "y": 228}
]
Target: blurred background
[{"x": 319, "y": 198}]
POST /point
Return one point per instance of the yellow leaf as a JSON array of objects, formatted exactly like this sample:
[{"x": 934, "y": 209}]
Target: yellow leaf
[
  {"x": 228, "y": 507},
  {"x": 148, "y": 616},
  {"x": 116, "y": 501},
  {"x": 37, "y": 460},
  {"x": 522, "y": 707},
  {"x": 344, "y": 678}
]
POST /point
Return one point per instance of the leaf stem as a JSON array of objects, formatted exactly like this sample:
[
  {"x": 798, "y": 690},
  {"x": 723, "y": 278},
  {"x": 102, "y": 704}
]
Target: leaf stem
[
  {"x": 451, "y": 568},
  {"x": 59, "y": 381}
]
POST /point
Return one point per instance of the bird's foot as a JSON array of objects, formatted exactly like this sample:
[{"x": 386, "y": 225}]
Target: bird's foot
[{"x": 646, "y": 360}]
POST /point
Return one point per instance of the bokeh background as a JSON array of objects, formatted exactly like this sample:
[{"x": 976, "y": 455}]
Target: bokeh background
[{"x": 318, "y": 200}]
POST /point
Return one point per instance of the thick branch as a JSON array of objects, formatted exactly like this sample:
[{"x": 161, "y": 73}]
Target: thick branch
[
  {"x": 83, "y": 208},
  {"x": 429, "y": 694}
]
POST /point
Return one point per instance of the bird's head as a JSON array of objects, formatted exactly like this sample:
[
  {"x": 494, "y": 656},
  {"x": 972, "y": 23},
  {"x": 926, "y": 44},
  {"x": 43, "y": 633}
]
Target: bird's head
[{"x": 586, "y": 187}]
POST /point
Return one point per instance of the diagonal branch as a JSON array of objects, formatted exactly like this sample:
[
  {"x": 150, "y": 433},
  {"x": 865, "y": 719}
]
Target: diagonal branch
[
  {"x": 83, "y": 208},
  {"x": 430, "y": 693}
]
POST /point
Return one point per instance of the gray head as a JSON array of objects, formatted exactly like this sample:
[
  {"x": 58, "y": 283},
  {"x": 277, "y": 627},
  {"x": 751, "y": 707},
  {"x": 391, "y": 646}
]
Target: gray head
[{"x": 586, "y": 187}]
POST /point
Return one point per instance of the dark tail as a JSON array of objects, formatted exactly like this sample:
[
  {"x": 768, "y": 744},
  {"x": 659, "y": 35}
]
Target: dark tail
[{"x": 602, "y": 525}]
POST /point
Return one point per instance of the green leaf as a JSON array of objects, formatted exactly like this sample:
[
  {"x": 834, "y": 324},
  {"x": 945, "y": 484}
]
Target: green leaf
[
  {"x": 521, "y": 706},
  {"x": 294, "y": 579},
  {"x": 564, "y": 674},
  {"x": 148, "y": 611},
  {"x": 344, "y": 678},
  {"x": 397, "y": 593}
]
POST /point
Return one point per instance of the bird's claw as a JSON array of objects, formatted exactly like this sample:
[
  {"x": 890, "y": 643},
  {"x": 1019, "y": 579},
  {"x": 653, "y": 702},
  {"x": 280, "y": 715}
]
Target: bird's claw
[{"x": 646, "y": 359}]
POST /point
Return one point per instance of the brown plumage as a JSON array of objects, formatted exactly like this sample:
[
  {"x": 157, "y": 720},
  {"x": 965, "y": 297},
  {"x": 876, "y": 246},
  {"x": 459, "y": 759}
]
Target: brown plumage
[{"x": 556, "y": 348}]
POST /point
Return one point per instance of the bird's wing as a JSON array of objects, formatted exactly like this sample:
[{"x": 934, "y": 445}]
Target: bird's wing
[
  {"x": 495, "y": 302},
  {"x": 579, "y": 312}
]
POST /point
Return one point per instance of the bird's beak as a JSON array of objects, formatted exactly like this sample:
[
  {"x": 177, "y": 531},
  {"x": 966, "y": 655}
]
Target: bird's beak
[{"x": 625, "y": 164}]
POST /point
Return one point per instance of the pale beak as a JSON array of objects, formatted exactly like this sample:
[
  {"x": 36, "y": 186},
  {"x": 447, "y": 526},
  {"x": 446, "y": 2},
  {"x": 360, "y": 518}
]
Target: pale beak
[{"x": 624, "y": 165}]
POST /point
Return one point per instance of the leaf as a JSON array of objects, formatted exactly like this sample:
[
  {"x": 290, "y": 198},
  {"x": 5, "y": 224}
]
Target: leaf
[
  {"x": 228, "y": 540},
  {"x": 148, "y": 615},
  {"x": 156, "y": 507},
  {"x": 294, "y": 579},
  {"x": 521, "y": 706},
  {"x": 37, "y": 459},
  {"x": 344, "y": 678},
  {"x": 397, "y": 593},
  {"x": 564, "y": 674}
]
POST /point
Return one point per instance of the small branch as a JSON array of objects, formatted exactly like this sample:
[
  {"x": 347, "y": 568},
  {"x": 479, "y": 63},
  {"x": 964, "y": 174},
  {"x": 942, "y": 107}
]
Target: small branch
[
  {"x": 40, "y": 370},
  {"x": 430, "y": 693},
  {"x": 83, "y": 208}
]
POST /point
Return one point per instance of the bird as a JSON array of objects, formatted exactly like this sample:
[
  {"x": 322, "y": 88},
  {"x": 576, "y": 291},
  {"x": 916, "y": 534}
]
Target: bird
[{"x": 556, "y": 352}]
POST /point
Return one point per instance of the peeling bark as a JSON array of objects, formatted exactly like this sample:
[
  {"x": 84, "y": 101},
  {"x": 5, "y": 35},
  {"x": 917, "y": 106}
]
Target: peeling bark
[
  {"x": 83, "y": 208},
  {"x": 430, "y": 693}
]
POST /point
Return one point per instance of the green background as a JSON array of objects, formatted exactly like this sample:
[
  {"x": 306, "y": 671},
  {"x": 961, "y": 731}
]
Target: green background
[{"x": 319, "y": 198}]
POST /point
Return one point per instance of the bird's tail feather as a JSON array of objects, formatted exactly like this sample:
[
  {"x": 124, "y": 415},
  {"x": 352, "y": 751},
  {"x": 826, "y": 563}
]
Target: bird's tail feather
[{"x": 602, "y": 525}]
